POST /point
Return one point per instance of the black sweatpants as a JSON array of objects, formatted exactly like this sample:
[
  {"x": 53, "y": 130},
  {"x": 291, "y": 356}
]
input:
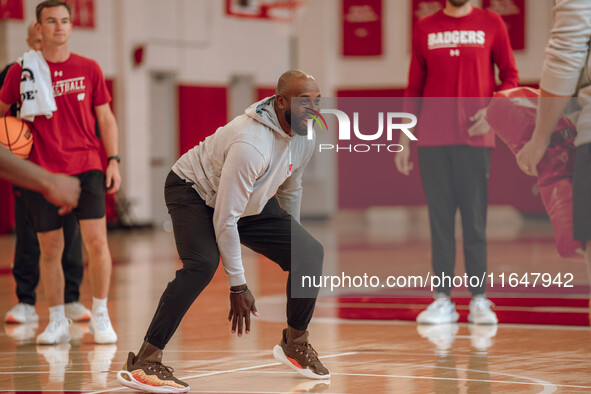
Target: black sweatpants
[
  {"x": 456, "y": 177},
  {"x": 272, "y": 233},
  {"x": 26, "y": 257}
]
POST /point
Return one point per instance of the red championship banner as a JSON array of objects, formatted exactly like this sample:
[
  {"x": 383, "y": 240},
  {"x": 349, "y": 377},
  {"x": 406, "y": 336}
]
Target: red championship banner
[
  {"x": 82, "y": 12},
  {"x": 423, "y": 8},
  {"x": 513, "y": 13},
  {"x": 11, "y": 9},
  {"x": 362, "y": 27}
]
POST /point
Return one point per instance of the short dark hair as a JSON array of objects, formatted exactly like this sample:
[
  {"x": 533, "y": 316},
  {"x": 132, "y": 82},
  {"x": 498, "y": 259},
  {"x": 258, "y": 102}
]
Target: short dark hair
[{"x": 51, "y": 4}]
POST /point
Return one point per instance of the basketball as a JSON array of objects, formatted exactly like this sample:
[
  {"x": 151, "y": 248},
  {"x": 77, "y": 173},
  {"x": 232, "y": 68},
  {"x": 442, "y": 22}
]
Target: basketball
[{"x": 16, "y": 136}]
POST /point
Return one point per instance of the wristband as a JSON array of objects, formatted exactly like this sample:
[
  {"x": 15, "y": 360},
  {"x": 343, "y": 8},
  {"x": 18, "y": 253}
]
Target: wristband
[
  {"x": 114, "y": 158},
  {"x": 239, "y": 291}
]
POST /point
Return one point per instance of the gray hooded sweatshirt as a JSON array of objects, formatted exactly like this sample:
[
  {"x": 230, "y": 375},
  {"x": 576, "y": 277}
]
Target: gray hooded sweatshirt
[
  {"x": 239, "y": 168},
  {"x": 567, "y": 68}
]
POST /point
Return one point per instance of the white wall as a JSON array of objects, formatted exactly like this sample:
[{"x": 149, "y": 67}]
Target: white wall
[{"x": 197, "y": 42}]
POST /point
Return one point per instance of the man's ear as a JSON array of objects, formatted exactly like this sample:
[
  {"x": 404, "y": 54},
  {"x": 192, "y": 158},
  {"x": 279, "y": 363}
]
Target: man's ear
[{"x": 281, "y": 101}]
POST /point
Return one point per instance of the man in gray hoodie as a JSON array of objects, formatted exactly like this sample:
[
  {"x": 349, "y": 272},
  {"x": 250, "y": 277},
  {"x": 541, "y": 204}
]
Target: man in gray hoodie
[
  {"x": 243, "y": 184},
  {"x": 567, "y": 73}
]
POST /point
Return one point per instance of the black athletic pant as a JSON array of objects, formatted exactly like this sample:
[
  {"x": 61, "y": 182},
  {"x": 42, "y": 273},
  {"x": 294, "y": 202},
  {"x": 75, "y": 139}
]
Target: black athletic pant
[
  {"x": 456, "y": 177},
  {"x": 272, "y": 233},
  {"x": 26, "y": 256}
]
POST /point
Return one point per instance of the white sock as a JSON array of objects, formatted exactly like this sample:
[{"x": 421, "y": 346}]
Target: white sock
[
  {"x": 99, "y": 304},
  {"x": 57, "y": 312}
]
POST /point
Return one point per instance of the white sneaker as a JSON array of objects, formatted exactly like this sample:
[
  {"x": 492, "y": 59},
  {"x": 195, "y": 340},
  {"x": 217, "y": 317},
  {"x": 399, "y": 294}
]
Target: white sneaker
[
  {"x": 58, "y": 358},
  {"x": 57, "y": 331},
  {"x": 77, "y": 312},
  {"x": 100, "y": 326},
  {"x": 480, "y": 312},
  {"x": 440, "y": 335},
  {"x": 440, "y": 311},
  {"x": 21, "y": 313}
]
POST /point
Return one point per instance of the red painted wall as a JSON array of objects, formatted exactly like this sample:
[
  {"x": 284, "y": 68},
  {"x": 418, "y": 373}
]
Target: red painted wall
[
  {"x": 263, "y": 92},
  {"x": 202, "y": 109}
]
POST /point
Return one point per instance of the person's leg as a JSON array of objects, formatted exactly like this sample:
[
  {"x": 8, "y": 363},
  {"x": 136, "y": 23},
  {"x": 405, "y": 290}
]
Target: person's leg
[
  {"x": 438, "y": 179},
  {"x": 48, "y": 224},
  {"x": 51, "y": 244},
  {"x": 26, "y": 263},
  {"x": 194, "y": 235},
  {"x": 93, "y": 228},
  {"x": 192, "y": 222},
  {"x": 94, "y": 235},
  {"x": 472, "y": 165},
  {"x": 72, "y": 259},
  {"x": 73, "y": 270},
  {"x": 26, "y": 255},
  {"x": 279, "y": 237}
]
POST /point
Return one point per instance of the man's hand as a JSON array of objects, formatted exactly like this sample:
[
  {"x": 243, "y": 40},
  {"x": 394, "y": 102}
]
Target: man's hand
[
  {"x": 63, "y": 191},
  {"x": 530, "y": 155},
  {"x": 402, "y": 161},
  {"x": 480, "y": 126},
  {"x": 241, "y": 306},
  {"x": 113, "y": 177}
]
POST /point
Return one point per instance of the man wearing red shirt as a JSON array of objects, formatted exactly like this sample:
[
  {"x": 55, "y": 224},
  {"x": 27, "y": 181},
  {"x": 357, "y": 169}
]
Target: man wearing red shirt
[
  {"x": 67, "y": 143},
  {"x": 454, "y": 55}
]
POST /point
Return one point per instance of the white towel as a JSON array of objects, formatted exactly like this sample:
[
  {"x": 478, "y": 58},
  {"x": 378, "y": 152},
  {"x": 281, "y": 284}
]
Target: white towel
[{"x": 36, "y": 88}]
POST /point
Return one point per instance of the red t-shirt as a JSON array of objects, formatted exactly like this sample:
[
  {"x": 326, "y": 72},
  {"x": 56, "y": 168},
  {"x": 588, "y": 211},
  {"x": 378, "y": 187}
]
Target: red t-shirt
[
  {"x": 67, "y": 142},
  {"x": 455, "y": 57}
]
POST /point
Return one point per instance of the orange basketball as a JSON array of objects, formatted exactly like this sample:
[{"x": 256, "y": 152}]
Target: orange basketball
[{"x": 16, "y": 136}]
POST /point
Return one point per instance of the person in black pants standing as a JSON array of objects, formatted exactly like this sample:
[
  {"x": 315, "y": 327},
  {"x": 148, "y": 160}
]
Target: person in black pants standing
[
  {"x": 26, "y": 260},
  {"x": 242, "y": 185}
]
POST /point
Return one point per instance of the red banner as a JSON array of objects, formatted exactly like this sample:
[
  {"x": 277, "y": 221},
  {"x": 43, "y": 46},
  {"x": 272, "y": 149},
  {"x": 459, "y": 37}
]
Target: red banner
[
  {"x": 82, "y": 12},
  {"x": 362, "y": 27},
  {"x": 423, "y": 8},
  {"x": 11, "y": 9},
  {"x": 513, "y": 13}
]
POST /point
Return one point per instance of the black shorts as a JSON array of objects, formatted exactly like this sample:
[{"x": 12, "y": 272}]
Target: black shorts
[
  {"x": 582, "y": 194},
  {"x": 44, "y": 216}
]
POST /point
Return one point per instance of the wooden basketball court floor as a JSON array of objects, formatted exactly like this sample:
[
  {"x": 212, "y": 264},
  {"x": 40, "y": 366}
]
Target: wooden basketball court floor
[{"x": 364, "y": 356}]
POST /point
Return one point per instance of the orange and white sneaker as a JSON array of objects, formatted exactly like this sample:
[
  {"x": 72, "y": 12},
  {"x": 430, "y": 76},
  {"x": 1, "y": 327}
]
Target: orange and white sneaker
[
  {"x": 150, "y": 375},
  {"x": 298, "y": 354},
  {"x": 21, "y": 313}
]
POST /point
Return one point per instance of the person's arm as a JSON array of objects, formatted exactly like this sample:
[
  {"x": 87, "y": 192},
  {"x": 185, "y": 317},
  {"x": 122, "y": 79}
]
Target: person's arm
[
  {"x": 502, "y": 53},
  {"x": 566, "y": 57},
  {"x": 417, "y": 76},
  {"x": 61, "y": 190},
  {"x": 109, "y": 135},
  {"x": 242, "y": 166}
]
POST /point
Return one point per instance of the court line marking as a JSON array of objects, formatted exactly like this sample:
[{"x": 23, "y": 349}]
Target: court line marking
[
  {"x": 228, "y": 371},
  {"x": 547, "y": 385}
]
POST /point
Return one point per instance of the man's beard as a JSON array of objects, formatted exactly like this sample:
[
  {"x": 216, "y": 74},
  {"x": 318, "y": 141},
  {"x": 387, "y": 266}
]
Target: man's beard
[
  {"x": 458, "y": 3},
  {"x": 297, "y": 128}
]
